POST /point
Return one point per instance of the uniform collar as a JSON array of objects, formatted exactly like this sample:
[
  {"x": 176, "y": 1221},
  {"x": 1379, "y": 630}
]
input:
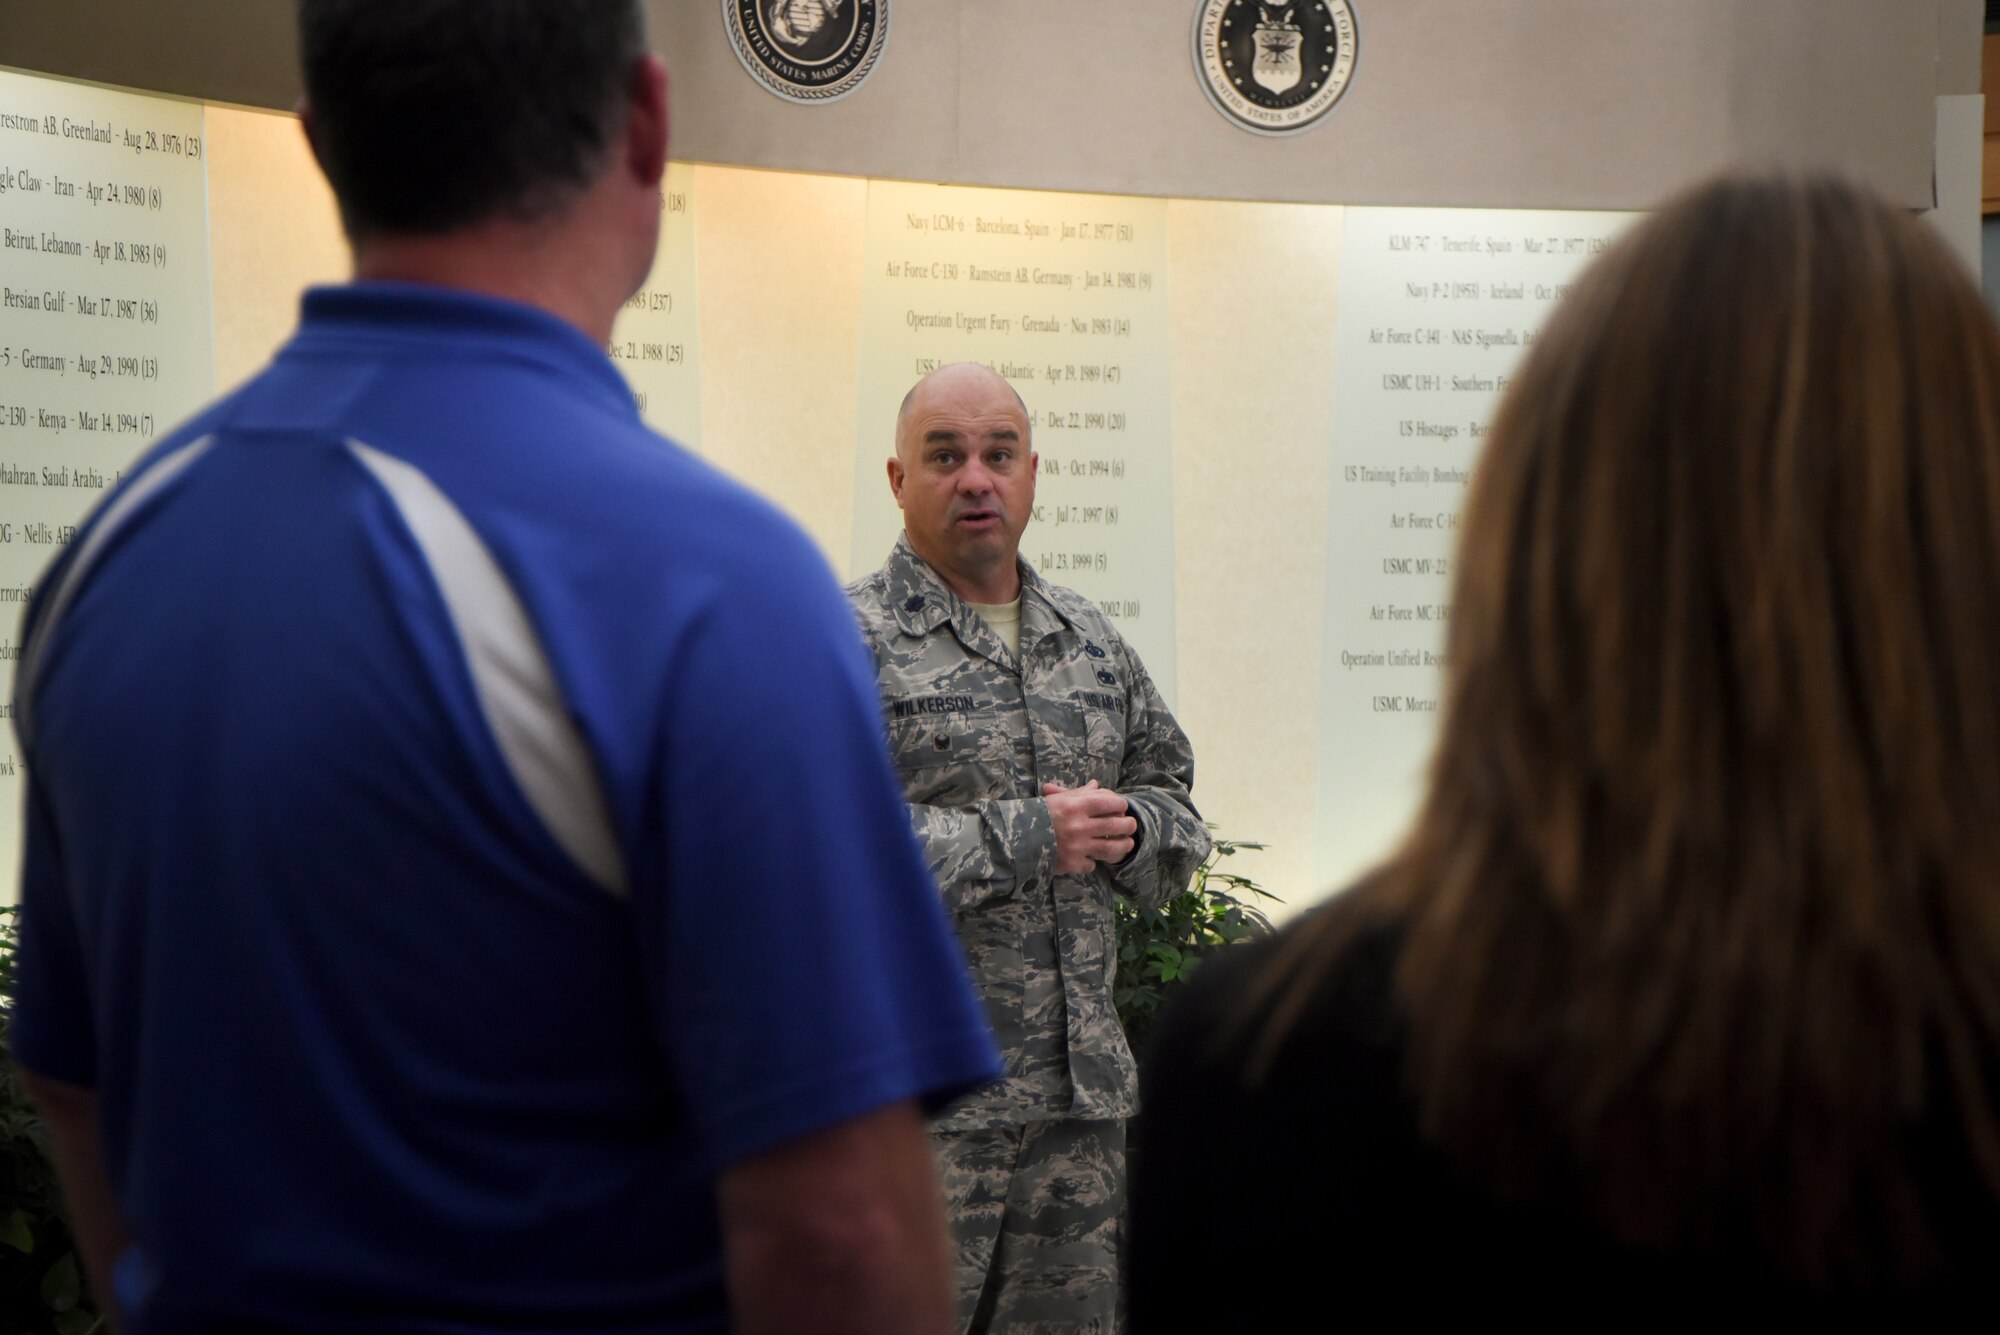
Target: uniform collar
[{"x": 923, "y": 602}]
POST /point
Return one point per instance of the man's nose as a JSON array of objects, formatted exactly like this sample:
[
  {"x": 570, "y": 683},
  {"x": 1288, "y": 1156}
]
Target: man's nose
[{"x": 973, "y": 479}]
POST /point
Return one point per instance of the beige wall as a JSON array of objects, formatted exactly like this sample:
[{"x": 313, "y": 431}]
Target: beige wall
[
  {"x": 1602, "y": 104},
  {"x": 272, "y": 231},
  {"x": 779, "y": 281},
  {"x": 1253, "y": 286},
  {"x": 1497, "y": 103},
  {"x": 239, "y": 51}
]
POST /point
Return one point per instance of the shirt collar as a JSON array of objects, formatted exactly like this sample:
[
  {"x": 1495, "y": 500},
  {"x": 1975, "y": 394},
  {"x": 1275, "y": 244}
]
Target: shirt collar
[
  {"x": 425, "y": 315},
  {"x": 923, "y": 601}
]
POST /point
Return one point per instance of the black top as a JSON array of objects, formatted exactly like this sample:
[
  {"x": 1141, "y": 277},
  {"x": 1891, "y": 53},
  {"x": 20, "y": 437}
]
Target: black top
[{"x": 1311, "y": 1199}]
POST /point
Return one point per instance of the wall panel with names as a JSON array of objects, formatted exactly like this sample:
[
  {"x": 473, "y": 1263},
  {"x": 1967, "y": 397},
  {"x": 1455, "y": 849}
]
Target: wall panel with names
[
  {"x": 1437, "y": 307},
  {"x": 654, "y": 340},
  {"x": 1066, "y": 296},
  {"x": 105, "y": 331}
]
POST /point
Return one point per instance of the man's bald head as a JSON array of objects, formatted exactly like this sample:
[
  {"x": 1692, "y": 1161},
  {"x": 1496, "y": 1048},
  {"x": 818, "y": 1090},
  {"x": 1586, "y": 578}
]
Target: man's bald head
[
  {"x": 964, "y": 475},
  {"x": 945, "y": 380}
]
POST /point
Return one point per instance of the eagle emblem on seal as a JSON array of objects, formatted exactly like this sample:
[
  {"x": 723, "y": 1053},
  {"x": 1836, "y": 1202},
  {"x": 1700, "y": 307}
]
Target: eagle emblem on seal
[{"x": 1275, "y": 66}]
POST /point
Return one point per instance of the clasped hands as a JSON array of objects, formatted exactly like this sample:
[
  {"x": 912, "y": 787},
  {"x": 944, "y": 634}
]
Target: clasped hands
[{"x": 1091, "y": 826}]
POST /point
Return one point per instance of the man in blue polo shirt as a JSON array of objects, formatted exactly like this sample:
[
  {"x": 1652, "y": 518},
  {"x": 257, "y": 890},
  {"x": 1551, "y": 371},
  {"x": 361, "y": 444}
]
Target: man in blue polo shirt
[{"x": 464, "y": 887}]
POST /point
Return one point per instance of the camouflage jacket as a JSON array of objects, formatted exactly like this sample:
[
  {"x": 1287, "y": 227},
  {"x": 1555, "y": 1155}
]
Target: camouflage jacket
[{"x": 975, "y": 734}]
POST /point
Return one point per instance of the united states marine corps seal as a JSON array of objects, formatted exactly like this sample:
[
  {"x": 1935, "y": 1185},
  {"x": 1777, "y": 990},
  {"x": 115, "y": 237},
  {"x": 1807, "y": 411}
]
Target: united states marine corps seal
[
  {"x": 807, "y": 50},
  {"x": 1275, "y": 66}
]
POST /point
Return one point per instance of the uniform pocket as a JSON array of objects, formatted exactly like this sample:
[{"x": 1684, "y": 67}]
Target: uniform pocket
[
  {"x": 992, "y": 940},
  {"x": 949, "y": 759},
  {"x": 1104, "y": 745}
]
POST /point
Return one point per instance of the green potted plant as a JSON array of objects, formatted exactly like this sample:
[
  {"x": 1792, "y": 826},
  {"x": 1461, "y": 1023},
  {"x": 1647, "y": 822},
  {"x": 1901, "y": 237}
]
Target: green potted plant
[
  {"x": 42, "y": 1288},
  {"x": 1159, "y": 948}
]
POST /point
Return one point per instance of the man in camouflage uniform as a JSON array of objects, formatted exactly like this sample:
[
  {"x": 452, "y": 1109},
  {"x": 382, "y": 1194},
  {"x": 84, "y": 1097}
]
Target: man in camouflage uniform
[{"x": 1043, "y": 773}]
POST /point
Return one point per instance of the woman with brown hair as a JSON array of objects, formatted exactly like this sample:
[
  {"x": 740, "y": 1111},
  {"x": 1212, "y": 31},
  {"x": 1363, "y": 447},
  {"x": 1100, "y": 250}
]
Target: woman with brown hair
[{"x": 1685, "y": 985}]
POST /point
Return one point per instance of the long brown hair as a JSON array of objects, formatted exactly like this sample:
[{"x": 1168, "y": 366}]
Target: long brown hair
[{"x": 1701, "y": 914}]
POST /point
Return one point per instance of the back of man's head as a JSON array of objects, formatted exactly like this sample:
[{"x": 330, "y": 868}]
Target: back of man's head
[{"x": 428, "y": 115}]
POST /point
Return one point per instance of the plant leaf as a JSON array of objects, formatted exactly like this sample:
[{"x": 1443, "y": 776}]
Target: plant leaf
[
  {"x": 1158, "y": 947},
  {"x": 62, "y": 1286},
  {"x": 76, "y": 1322},
  {"x": 19, "y": 1234}
]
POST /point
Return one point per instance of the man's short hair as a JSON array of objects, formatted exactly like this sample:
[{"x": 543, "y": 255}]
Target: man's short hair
[{"x": 429, "y": 115}]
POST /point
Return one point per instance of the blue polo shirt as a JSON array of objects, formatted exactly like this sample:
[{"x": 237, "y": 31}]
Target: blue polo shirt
[{"x": 458, "y": 828}]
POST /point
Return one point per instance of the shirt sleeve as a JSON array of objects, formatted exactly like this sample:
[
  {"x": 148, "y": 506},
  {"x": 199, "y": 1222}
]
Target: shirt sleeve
[
  {"x": 1155, "y": 779},
  {"x": 804, "y": 971}
]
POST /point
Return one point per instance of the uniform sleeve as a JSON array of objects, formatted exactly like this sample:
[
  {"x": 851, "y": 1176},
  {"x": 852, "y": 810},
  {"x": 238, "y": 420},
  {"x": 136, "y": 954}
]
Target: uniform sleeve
[
  {"x": 986, "y": 850},
  {"x": 804, "y": 971},
  {"x": 51, "y": 1031},
  {"x": 1155, "y": 778}
]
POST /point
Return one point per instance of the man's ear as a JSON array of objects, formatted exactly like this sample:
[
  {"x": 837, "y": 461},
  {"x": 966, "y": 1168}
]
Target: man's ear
[
  {"x": 896, "y": 479},
  {"x": 646, "y": 127},
  {"x": 304, "y": 112}
]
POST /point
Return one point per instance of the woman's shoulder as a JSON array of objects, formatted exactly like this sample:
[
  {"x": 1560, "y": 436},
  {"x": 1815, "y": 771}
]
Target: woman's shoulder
[
  {"x": 1322, "y": 985},
  {"x": 1272, "y": 1140}
]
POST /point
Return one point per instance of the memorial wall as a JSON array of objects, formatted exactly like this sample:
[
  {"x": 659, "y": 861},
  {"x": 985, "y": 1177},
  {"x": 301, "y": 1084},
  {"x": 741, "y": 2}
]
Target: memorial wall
[
  {"x": 1255, "y": 419},
  {"x": 1437, "y": 307},
  {"x": 104, "y": 322}
]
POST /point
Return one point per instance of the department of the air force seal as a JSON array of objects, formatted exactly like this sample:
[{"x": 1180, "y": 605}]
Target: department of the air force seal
[
  {"x": 1274, "y": 66},
  {"x": 807, "y": 50}
]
